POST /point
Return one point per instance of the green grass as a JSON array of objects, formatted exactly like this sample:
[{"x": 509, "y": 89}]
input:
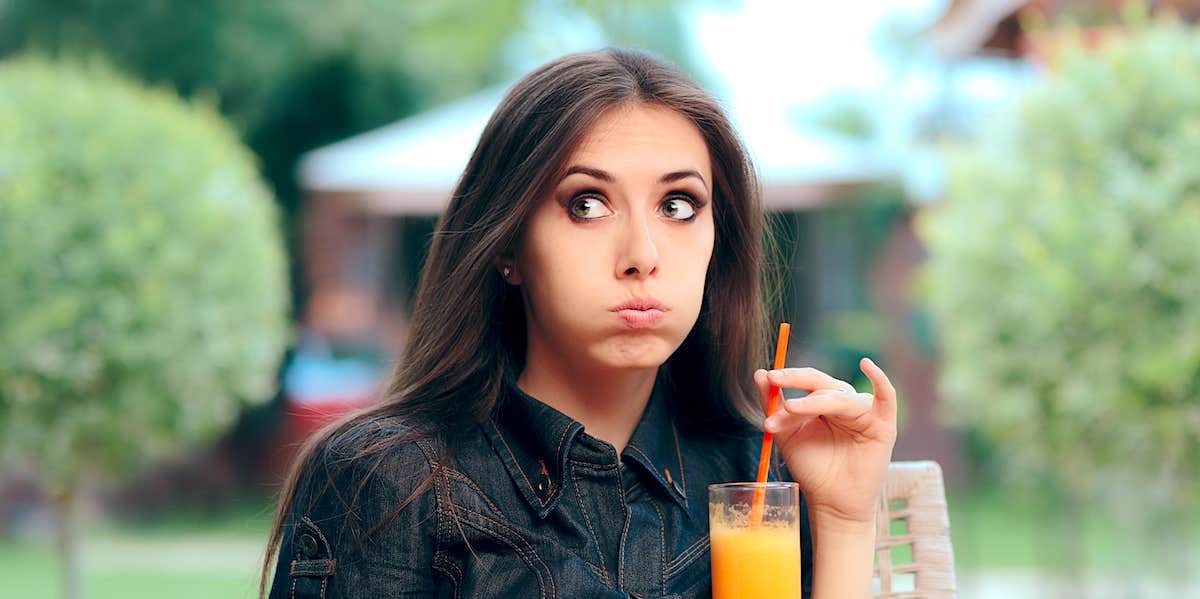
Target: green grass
[
  {"x": 181, "y": 556},
  {"x": 989, "y": 532},
  {"x": 999, "y": 529},
  {"x": 134, "y": 568},
  {"x": 41, "y": 582}
]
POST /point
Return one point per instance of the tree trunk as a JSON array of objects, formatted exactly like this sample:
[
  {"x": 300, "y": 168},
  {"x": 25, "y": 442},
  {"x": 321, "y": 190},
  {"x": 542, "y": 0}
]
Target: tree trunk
[
  {"x": 68, "y": 543},
  {"x": 1075, "y": 559},
  {"x": 1061, "y": 549}
]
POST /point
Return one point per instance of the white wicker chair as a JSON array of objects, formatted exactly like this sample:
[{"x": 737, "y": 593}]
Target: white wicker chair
[{"x": 912, "y": 513}]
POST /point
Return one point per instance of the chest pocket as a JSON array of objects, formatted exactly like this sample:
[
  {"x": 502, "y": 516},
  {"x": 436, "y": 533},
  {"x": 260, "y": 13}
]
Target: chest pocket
[
  {"x": 313, "y": 564},
  {"x": 689, "y": 573}
]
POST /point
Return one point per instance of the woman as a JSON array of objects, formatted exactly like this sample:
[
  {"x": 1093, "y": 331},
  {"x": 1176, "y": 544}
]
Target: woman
[{"x": 581, "y": 366}]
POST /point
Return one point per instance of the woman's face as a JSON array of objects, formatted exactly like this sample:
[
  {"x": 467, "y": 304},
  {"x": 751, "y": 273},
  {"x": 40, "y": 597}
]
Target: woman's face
[{"x": 612, "y": 263}]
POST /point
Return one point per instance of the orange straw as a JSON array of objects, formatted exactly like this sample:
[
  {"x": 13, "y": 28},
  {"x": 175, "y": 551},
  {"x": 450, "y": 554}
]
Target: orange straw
[{"x": 756, "y": 509}]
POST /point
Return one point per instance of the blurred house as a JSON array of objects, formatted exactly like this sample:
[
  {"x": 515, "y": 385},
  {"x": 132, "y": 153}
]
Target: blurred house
[{"x": 1011, "y": 28}]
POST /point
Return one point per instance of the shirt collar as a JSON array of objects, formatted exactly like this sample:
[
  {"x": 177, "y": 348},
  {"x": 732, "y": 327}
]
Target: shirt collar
[
  {"x": 534, "y": 441},
  {"x": 655, "y": 447}
]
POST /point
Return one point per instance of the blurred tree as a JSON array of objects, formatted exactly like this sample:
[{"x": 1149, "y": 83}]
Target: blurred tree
[
  {"x": 1064, "y": 277},
  {"x": 144, "y": 298},
  {"x": 293, "y": 75}
]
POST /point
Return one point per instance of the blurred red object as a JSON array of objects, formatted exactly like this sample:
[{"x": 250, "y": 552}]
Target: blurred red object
[
  {"x": 307, "y": 417},
  {"x": 321, "y": 385}
]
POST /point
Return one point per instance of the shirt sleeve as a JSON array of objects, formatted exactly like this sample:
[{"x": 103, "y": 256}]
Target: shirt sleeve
[{"x": 360, "y": 525}]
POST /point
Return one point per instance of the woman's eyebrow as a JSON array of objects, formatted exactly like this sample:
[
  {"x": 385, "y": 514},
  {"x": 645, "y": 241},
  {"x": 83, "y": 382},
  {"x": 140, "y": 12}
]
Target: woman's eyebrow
[
  {"x": 608, "y": 178},
  {"x": 677, "y": 175},
  {"x": 591, "y": 172}
]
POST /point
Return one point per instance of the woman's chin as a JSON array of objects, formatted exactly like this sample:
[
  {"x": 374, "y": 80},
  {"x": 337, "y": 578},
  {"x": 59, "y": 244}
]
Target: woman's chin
[{"x": 635, "y": 354}]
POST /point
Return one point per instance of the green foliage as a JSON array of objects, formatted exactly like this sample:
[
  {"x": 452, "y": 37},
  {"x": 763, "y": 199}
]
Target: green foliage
[
  {"x": 293, "y": 75},
  {"x": 1064, "y": 275},
  {"x": 143, "y": 297},
  {"x": 248, "y": 53}
]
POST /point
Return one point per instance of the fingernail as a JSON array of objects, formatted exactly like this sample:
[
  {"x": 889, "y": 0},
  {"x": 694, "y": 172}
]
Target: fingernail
[{"x": 769, "y": 425}]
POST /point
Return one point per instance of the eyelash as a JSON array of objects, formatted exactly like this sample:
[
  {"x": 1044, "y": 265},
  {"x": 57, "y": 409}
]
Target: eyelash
[
  {"x": 594, "y": 194},
  {"x": 687, "y": 197}
]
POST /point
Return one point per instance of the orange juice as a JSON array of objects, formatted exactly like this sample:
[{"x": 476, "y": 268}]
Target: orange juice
[
  {"x": 755, "y": 561},
  {"x": 755, "y": 534}
]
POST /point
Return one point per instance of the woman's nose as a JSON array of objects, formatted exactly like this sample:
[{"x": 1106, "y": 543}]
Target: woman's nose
[{"x": 638, "y": 252}]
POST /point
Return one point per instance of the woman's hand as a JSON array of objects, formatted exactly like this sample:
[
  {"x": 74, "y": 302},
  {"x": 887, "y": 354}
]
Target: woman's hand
[{"x": 837, "y": 442}]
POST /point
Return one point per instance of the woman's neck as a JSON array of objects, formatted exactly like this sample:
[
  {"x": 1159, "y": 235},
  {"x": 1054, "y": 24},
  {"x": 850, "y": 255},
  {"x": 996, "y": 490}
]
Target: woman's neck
[{"x": 608, "y": 403}]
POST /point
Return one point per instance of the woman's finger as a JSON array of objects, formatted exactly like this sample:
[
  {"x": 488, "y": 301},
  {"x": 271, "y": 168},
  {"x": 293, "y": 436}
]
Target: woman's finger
[
  {"x": 764, "y": 387},
  {"x": 835, "y": 404},
  {"x": 807, "y": 379},
  {"x": 885, "y": 393},
  {"x": 785, "y": 421},
  {"x": 760, "y": 379}
]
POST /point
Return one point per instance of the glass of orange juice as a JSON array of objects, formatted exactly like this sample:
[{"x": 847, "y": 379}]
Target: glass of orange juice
[{"x": 750, "y": 559}]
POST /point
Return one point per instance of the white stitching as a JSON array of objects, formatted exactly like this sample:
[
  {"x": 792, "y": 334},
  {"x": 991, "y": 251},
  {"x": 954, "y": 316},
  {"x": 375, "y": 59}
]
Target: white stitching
[
  {"x": 662, "y": 549},
  {"x": 516, "y": 463},
  {"x": 679, "y": 454},
  {"x": 510, "y": 540},
  {"x": 475, "y": 486},
  {"x": 444, "y": 568},
  {"x": 655, "y": 470},
  {"x": 624, "y": 533},
  {"x": 558, "y": 452},
  {"x": 688, "y": 555},
  {"x": 587, "y": 520},
  {"x": 593, "y": 465},
  {"x": 441, "y": 528}
]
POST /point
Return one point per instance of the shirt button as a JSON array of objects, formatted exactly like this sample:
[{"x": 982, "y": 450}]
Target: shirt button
[
  {"x": 543, "y": 485},
  {"x": 308, "y": 546},
  {"x": 674, "y": 483}
]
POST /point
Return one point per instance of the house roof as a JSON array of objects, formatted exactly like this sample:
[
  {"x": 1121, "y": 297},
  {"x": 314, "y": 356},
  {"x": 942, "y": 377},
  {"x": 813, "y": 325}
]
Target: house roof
[
  {"x": 411, "y": 166},
  {"x": 967, "y": 24}
]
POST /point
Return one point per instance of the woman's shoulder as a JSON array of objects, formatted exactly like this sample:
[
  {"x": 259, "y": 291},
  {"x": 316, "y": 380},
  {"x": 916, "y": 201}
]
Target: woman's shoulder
[
  {"x": 388, "y": 436},
  {"x": 372, "y": 457},
  {"x": 364, "y": 501}
]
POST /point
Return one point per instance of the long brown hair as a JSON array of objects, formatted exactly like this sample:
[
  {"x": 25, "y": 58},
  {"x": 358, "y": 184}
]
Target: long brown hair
[{"x": 468, "y": 325}]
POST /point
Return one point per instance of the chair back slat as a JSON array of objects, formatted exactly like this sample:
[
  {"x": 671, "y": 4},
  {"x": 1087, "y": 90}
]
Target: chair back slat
[{"x": 914, "y": 500}]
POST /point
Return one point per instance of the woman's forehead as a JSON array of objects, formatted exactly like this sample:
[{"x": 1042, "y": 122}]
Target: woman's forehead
[{"x": 647, "y": 138}]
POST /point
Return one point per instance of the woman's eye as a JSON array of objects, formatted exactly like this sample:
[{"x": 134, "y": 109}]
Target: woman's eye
[
  {"x": 588, "y": 208},
  {"x": 678, "y": 208}
]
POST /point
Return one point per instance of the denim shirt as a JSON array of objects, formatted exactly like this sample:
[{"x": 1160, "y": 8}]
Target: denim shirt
[{"x": 527, "y": 504}]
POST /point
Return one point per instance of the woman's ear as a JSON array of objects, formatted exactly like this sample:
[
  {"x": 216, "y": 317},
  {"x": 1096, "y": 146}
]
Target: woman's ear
[{"x": 508, "y": 269}]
